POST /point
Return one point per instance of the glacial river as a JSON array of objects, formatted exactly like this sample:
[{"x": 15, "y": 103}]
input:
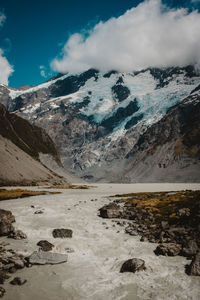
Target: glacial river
[{"x": 100, "y": 247}]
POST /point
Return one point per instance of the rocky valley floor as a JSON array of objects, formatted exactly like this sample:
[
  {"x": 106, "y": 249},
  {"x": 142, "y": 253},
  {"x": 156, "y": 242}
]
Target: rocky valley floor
[{"x": 96, "y": 250}]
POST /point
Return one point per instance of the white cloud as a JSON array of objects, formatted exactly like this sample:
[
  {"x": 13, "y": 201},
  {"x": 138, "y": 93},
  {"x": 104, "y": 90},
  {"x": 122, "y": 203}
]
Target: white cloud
[
  {"x": 43, "y": 71},
  {"x": 5, "y": 69},
  {"x": 147, "y": 35}
]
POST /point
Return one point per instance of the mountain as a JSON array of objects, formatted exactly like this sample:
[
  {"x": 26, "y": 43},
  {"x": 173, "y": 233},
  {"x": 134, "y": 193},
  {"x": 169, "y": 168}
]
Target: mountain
[
  {"x": 21, "y": 147},
  {"x": 104, "y": 124}
]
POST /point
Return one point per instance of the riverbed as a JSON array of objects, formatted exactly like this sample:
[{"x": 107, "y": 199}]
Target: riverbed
[{"x": 100, "y": 247}]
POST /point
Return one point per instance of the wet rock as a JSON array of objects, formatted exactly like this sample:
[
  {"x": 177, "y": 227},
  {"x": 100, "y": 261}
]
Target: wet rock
[
  {"x": 194, "y": 267},
  {"x": 133, "y": 265},
  {"x": 43, "y": 258},
  {"x": 17, "y": 235},
  {"x": 18, "y": 281},
  {"x": 62, "y": 233},
  {"x": 110, "y": 211},
  {"x": 168, "y": 249},
  {"x": 45, "y": 245},
  {"x": 2, "y": 291},
  {"x": 6, "y": 220}
]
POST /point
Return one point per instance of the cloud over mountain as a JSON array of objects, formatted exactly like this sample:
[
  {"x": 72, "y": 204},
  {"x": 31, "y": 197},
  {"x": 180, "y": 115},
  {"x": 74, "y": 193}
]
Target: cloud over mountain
[
  {"x": 5, "y": 68},
  {"x": 149, "y": 35}
]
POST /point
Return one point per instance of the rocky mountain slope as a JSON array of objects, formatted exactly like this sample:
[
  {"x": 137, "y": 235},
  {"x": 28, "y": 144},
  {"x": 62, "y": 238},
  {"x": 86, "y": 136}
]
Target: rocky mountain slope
[
  {"x": 21, "y": 145},
  {"x": 99, "y": 121}
]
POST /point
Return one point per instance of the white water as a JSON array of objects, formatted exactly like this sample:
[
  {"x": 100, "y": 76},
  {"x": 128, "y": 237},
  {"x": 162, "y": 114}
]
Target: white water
[{"x": 92, "y": 271}]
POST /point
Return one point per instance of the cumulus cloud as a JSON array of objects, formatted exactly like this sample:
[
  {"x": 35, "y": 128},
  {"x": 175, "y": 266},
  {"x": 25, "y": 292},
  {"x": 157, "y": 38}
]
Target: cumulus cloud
[
  {"x": 5, "y": 68},
  {"x": 149, "y": 35}
]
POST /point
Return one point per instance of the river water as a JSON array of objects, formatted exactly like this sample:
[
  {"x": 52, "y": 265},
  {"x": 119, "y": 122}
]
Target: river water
[{"x": 100, "y": 247}]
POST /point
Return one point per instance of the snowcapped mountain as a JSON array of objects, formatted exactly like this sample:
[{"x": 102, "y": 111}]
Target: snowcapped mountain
[{"x": 97, "y": 119}]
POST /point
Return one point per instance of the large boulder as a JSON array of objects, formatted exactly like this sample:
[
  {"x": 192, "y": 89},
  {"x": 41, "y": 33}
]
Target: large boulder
[
  {"x": 168, "y": 249},
  {"x": 45, "y": 245},
  {"x": 133, "y": 265},
  {"x": 62, "y": 233},
  {"x": 110, "y": 211},
  {"x": 194, "y": 267},
  {"x": 6, "y": 220},
  {"x": 43, "y": 258}
]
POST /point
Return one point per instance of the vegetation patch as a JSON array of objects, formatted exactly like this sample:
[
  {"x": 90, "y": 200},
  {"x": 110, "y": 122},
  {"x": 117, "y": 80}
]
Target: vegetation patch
[
  {"x": 72, "y": 187},
  {"x": 20, "y": 193}
]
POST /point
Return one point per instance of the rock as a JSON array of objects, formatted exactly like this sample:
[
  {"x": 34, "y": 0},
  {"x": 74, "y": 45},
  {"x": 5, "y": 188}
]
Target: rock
[
  {"x": 133, "y": 265},
  {"x": 131, "y": 231},
  {"x": 62, "y": 233},
  {"x": 17, "y": 235},
  {"x": 2, "y": 291},
  {"x": 43, "y": 258},
  {"x": 110, "y": 211},
  {"x": 190, "y": 249},
  {"x": 194, "y": 267},
  {"x": 6, "y": 220},
  {"x": 164, "y": 224},
  {"x": 45, "y": 245},
  {"x": 69, "y": 250},
  {"x": 168, "y": 249},
  {"x": 183, "y": 212},
  {"x": 18, "y": 281},
  {"x": 3, "y": 276},
  {"x": 38, "y": 212},
  {"x": 18, "y": 262}
]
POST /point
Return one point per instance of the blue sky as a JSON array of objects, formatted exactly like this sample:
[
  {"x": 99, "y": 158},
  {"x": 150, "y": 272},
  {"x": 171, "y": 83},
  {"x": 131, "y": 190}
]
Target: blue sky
[{"x": 35, "y": 32}]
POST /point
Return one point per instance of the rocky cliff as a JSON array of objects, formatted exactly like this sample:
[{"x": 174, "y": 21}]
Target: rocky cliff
[{"x": 100, "y": 122}]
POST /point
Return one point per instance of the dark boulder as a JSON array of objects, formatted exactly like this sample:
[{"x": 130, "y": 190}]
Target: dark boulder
[
  {"x": 194, "y": 267},
  {"x": 110, "y": 211},
  {"x": 18, "y": 281},
  {"x": 133, "y": 265},
  {"x": 45, "y": 245},
  {"x": 6, "y": 220},
  {"x": 62, "y": 233}
]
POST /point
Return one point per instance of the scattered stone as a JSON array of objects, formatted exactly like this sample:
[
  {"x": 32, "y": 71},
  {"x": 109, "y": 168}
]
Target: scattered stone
[
  {"x": 110, "y": 211},
  {"x": 131, "y": 231},
  {"x": 69, "y": 250},
  {"x": 32, "y": 206},
  {"x": 3, "y": 276},
  {"x": 194, "y": 267},
  {"x": 2, "y": 291},
  {"x": 62, "y": 233},
  {"x": 38, "y": 212},
  {"x": 18, "y": 281},
  {"x": 45, "y": 245},
  {"x": 168, "y": 249},
  {"x": 43, "y": 258},
  {"x": 17, "y": 235},
  {"x": 133, "y": 265},
  {"x": 183, "y": 212}
]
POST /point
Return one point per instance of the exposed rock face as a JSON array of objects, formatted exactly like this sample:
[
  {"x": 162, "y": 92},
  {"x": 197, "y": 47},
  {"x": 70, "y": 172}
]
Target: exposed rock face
[
  {"x": 169, "y": 249},
  {"x": 21, "y": 145},
  {"x": 112, "y": 127},
  {"x": 194, "y": 268},
  {"x": 62, "y": 233},
  {"x": 133, "y": 265},
  {"x": 43, "y": 258}
]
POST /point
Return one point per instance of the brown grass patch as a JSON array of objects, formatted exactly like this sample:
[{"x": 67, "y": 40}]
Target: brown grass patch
[
  {"x": 20, "y": 193},
  {"x": 72, "y": 187}
]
